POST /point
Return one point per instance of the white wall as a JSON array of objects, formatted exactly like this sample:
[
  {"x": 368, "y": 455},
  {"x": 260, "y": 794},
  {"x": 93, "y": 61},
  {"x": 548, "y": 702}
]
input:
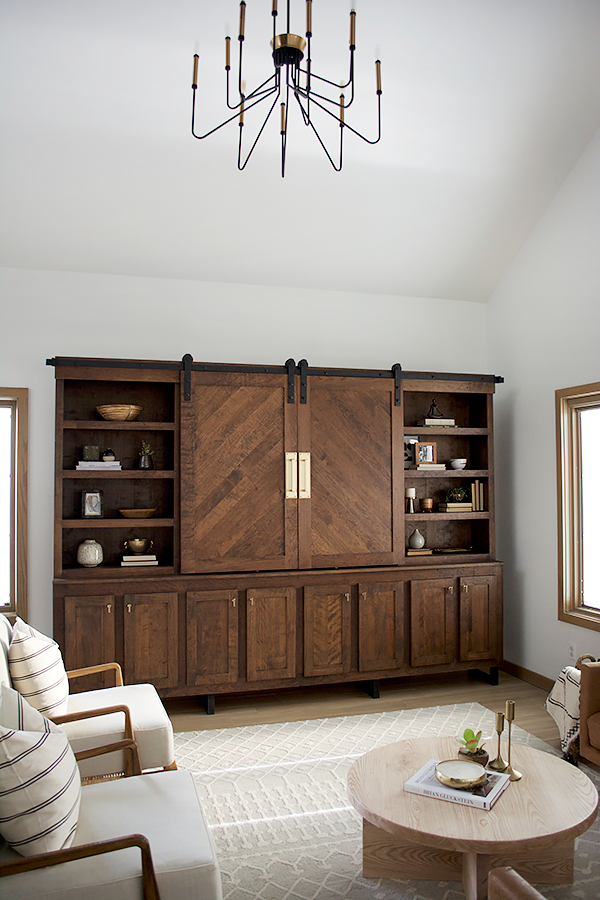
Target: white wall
[
  {"x": 544, "y": 334},
  {"x": 46, "y": 314}
]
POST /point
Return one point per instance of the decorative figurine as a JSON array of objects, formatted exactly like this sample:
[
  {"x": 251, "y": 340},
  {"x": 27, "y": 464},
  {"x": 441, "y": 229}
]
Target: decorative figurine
[{"x": 434, "y": 412}]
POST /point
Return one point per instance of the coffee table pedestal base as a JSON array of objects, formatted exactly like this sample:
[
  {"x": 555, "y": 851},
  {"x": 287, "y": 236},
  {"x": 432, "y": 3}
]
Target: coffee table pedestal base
[{"x": 387, "y": 856}]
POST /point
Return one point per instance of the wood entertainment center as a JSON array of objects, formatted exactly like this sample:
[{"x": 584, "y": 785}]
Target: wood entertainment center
[{"x": 281, "y": 530}]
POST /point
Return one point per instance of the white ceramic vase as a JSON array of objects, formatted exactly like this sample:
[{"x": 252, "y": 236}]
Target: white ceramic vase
[
  {"x": 416, "y": 541},
  {"x": 89, "y": 554}
]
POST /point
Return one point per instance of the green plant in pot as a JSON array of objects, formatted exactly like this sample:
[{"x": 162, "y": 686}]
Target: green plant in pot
[
  {"x": 472, "y": 749},
  {"x": 457, "y": 495},
  {"x": 146, "y": 454}
]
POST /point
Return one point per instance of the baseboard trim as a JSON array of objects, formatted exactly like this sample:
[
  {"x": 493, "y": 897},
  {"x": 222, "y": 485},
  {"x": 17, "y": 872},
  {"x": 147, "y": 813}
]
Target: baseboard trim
[{"x": 539, "y": 681}]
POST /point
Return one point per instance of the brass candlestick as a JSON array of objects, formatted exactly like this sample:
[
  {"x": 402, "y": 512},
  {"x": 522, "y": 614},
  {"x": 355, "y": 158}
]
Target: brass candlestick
[
  {"x": 510, "y": 714},
  {"x": 498, "y": 764}
]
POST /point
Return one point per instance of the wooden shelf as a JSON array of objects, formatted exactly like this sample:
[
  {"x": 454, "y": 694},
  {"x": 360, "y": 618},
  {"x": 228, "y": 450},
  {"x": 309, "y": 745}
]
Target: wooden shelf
[
  {"x": 453, "y": 430},
  {"x": 119, "y": 473},
  {"x": 103, "y": 425},
  {"x": 117, "y": 523},
  {"x": 447, "y": 473},
  {"x": 451, "y": 516},
  {"x": 112, "y": 572}
]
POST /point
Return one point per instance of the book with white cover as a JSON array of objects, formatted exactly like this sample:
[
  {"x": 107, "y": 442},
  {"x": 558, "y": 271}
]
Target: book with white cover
[{"x": 424, "y": 782}]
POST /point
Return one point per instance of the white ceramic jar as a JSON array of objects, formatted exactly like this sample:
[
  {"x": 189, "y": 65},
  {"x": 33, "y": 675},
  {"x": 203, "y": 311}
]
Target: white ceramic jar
[{"x": 89, "y": 553}]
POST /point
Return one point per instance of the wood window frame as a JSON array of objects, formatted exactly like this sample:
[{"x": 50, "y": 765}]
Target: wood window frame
[
  {"x": 569, "y": 403},
  {"x": 18, "y": 400}
]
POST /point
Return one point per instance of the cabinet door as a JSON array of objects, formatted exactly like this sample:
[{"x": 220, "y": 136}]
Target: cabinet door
[
  {"x": 212, "y": 637},
  {"x": 432, "y": 622},
  {"x": 479, "y": 618},
  {"x": 380, "y": 626},
  {"x": 89, "y": 639},
  {"x": 235, "y": 432},
  {"x": 327, "y": 630},
  {"x": 150, "y": 639},
  {"x": 270, "y": 633},
  {"x": 353, "y": 432}
]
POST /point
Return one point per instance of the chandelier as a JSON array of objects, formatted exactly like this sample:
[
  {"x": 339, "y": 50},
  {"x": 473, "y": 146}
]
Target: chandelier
[{"x": 290, "y": 81}]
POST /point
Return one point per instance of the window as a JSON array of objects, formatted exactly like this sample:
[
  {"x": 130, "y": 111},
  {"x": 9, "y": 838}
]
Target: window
[
  {"x": 13, "y": 500},
  {"x": 578, "y": 458}
]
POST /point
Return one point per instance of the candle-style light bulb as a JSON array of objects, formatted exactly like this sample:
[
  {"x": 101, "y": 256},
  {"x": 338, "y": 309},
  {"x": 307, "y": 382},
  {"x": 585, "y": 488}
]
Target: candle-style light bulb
[
  {"x": 378, "y": 76},
  {"x": 274, "y": 8},
  {"x": 195, "y": 75},
  {"x": 308, "y": 18},
  {"x": 242, "y": 19},
  {"x": 341, "y": 109},
  {"x": 283, "y": 118},
  {"x": 227, "y": 52},
  {"x": 352, "y": 29}
]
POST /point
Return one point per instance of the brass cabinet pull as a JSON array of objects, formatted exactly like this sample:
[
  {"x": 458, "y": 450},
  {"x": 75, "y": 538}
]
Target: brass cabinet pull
[
  {"x": 465, "y": 588},
  {"x": 291, "y": 476},
  {"x": 363, "y": 595},
  {"x": 304, "y": 476},
  {"x": 450, "y": 589},
  {"x": 109, "y": 607},
  {"x": 251, "y": 599},
  {"x": 129, "y": 607},
  {"x": 347, "y": 596},
  {"x": 233, "y": 601}
]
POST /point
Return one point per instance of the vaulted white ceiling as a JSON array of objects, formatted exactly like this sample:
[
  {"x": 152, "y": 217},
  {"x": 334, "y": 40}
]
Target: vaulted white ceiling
[{"x": 487, "y": 104}]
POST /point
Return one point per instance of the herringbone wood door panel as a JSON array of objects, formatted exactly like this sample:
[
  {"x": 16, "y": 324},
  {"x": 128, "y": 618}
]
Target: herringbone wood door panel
[{"x": 234, "y": 512}]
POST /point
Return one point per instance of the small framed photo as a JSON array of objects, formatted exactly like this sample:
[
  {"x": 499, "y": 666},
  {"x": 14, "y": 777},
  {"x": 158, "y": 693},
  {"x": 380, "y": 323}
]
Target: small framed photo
[
  {"x": 425, "y": 453},
  {"x": 92, "y": 505},
  {"x": 410, "y": 442}
]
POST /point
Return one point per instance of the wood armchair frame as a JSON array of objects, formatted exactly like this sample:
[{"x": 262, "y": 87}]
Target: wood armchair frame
[
  {"x": 94, "y": 670},
  {"x": 133, "y": 765}
]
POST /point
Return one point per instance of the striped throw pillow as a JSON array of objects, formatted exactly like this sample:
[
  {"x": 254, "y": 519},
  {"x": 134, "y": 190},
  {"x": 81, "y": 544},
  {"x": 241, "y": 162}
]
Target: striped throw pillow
[
  {"x": 37, "y": 670},
  {"x": 40, "y": 788}
]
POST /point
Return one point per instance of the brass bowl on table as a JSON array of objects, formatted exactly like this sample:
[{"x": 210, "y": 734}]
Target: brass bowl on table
[
  {"x": 138, "y": 513},
  {"x": 460, "y": 774},
  {"x": 119, "y": 412}
]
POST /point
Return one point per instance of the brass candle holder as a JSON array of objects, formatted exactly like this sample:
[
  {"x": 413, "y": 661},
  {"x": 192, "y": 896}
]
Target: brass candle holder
[
  {"x": 498, "y": 764},
  {"x": 510, "y": 714}
]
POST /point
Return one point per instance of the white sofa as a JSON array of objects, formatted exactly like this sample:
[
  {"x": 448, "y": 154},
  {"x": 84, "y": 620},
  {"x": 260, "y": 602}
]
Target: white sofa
[{"x": 152, "y": 727}]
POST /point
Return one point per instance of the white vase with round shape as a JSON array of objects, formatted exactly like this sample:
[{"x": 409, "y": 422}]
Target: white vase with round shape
[
  {"x": 416, "y": 541},
  {"x": 89, "y": 554}
]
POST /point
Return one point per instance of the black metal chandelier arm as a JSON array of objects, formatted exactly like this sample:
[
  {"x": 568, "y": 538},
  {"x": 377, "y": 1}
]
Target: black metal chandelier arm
[
  {"x": 236, "y": 115},
  {"x": 335, "y": 84},
  {"x": 318, "y": 136},
  {"x": 309, "y": 96},
  {"x": 345, "y": 124},
  {"x": 242, "y": 166}
]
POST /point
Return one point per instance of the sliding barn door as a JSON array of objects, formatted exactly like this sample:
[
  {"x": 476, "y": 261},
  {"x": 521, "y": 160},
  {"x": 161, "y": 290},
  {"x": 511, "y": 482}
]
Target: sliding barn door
[{"x": 235, "y": 431}]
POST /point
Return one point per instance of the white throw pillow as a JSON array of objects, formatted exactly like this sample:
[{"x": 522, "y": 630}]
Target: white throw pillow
[
  {"x": 40, "y": 788},
  {"x": 37, "y": 670}
]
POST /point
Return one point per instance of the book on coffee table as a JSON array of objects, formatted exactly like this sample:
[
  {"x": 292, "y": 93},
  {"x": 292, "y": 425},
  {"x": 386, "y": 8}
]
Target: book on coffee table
[{"x": 424, "y": 782}]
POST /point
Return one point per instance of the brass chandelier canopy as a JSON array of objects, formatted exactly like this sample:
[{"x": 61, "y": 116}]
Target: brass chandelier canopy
[{"x": 285, "y": 83}]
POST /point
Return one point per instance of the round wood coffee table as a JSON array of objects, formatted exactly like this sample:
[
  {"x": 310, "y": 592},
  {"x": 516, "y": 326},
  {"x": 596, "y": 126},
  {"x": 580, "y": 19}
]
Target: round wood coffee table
[{"x": 532, "y": 827}]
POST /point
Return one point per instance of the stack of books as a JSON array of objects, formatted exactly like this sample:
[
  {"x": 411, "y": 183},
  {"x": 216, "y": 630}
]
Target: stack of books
[
  {"x": 422, "y": 552},
  {"x": 427, "y": 421},
  {"x": 95, "y": 464},
  {"x": 455, "y": 507},
  {"x": 477, "y": 496},
  {"x": 140, "y": 559},
  {"x": 424, "y": 782},
  {"x": 434, "y": 466}
]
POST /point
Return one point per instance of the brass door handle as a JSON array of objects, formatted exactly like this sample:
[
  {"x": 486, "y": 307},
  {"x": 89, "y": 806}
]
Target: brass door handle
[
  {"x": 304, "y": 476},
  {"x": 291, "y": 476},
  {"x": 109, "y": 607},
  {"x": 129, "y": 607}
]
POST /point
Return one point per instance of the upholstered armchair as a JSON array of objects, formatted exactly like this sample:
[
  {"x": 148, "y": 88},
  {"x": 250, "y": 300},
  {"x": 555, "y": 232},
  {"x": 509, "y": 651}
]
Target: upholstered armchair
[
  {"x": 143, "y": 835},
  {"x": 32, "y": 663},
  {"x": 589, "y": 710}
]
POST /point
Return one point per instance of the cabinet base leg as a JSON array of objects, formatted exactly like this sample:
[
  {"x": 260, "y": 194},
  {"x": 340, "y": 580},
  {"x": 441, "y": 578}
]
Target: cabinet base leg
[
  {"x": 489, "y": 678},
  {"x": 371, "y": 688},
  {"x": 209, "y": 704}
]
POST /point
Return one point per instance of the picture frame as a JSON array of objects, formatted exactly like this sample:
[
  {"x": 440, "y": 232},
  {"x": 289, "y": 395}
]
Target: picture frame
[
  {"x": 92, "y": 505},
  {"x": 410, "y": 441},
  {"x": 425, "y": 453}
]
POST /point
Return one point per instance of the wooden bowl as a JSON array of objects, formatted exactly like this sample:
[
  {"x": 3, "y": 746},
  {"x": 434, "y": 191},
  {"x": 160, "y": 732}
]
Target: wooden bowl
[
  {"x": 119, "y": 412},
  {"x": 138, "y": 513},
  {"x": 460, "y": 774}
]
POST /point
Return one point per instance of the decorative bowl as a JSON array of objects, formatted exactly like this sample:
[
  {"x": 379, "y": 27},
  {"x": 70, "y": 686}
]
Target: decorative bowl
[
  {"x": 138, "y": 513},
  {"x": 460, "y": 774},
  {"x": 458, "y": 463},
  {"x": 138, "y": 545},
  {"x": 119, "y": 412}
]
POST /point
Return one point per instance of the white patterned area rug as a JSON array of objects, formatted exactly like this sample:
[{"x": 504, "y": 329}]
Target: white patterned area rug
[{"x": 275, "y": 799}]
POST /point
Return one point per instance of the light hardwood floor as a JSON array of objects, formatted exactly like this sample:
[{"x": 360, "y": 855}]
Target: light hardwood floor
[{"x": 350, "y": 700}]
